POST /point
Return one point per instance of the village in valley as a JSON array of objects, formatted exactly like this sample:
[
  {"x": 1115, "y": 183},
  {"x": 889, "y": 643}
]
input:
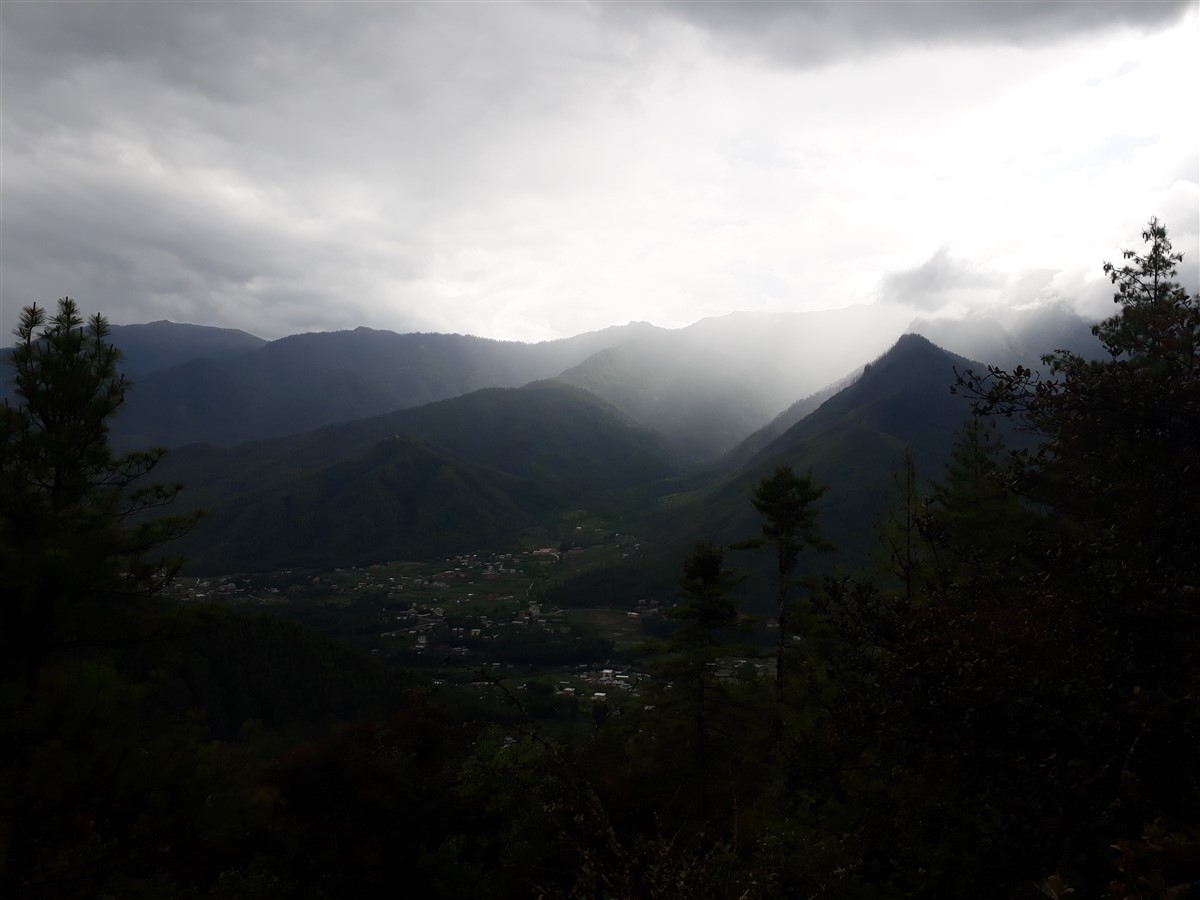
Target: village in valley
[{"x": 481, "y": 620}]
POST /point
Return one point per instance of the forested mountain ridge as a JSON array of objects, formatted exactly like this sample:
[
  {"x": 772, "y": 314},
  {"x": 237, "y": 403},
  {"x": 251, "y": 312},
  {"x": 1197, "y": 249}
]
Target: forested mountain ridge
[
  {"x": 154, "y": 346},
  {"x": 401, "y": 500},
  {"x": 893, "y": 393},
  {"x": 795, "y": 413},
  {"x": 305, "y": 381},
  {"x": 856, "y": 439},
  {"x": 574, "y": 445},
  {"x": 528, "y": 451}
]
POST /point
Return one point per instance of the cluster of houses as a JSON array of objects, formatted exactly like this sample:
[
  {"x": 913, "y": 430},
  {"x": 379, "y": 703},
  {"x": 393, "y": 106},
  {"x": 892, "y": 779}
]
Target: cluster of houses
[
  {"x": 425, "y": 625},
  {"x": 386, "y": 579},
  {"x": 439, "y": 605},
  {"x": 208, "y": 589},
  {"x": 601, "y": 683}
]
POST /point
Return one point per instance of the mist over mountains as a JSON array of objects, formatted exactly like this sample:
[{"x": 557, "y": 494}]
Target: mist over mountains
[
  {"x": 1008, "y": 338},
  {"x": 856, "y": 439}
]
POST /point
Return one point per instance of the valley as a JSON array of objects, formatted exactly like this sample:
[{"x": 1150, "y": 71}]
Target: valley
[
  {"x": 456, "y": 620},
  {"x": 514, "y": 507}
]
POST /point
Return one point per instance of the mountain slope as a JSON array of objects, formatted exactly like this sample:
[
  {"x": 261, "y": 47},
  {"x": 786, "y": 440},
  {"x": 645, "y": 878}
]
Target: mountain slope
[
  {"x": 852, "y": 442},
  {"x": 801, "y": 409},
  {"x": 699, "y": 402},
  {"x": 705, "y": 387},
  {"x": 710, "y": 385},
  {"x": 855, "y": 440},
  {"x": 403, "y": 500},
  {"x": 531, "y": 452},
  {"x": 553, "y": 432}
]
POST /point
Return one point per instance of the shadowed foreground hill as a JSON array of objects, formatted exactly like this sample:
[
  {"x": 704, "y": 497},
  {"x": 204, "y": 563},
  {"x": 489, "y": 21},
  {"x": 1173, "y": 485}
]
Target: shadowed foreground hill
[
  {"x": 403, "y": 500},
  {"x": 447, "y": 476}
]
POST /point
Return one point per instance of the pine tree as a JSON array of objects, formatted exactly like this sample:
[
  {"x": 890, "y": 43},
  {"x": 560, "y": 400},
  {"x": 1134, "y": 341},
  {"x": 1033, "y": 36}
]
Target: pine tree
[
  {"x": 906, "y": 554},
  {"x": 691, "y": 691},
  {"x": 73, "y": 529},
  {"x": 1118, "y": 475},
  {"x": 785, "y": 501},
  {"x": 1121, "y": 436},
  {"x": 977, "y": 527}
]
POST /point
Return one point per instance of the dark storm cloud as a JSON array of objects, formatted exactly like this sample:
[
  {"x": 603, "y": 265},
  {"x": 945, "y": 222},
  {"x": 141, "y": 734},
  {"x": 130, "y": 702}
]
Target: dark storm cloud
[
  {"x": 938, "y": 281},
  {"x": 287, "y": 75},
  {"x": 125, "y": 242},
  {"x": 201, "y": 157},
  {"x": 815, "y": 33},
  {"x": 276, "y": 80}
]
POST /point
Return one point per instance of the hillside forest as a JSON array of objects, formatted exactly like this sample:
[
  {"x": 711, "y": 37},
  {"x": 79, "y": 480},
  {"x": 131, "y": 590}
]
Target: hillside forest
[{"x": 568, "y": 621}]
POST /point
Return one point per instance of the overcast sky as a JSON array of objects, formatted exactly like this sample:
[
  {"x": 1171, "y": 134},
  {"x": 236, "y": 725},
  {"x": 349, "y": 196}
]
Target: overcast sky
[{"x": 534, "y": 170}]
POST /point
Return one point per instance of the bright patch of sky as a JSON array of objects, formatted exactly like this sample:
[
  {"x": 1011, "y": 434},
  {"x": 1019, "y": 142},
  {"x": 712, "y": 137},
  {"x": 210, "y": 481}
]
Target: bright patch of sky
[{"x": 531, "y": 171}]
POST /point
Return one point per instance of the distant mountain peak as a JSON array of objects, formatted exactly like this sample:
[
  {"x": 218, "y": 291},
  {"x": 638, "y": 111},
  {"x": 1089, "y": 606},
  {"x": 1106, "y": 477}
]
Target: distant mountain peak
[
  {"x": 162, "y": 344},
  {"x": 912, "y": 350},
  {"x": 913, "y": 339}
]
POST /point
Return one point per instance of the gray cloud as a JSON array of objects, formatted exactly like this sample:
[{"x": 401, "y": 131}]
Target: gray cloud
[
  {"x": 202, "y": 157},
  {"x": 817, "y": 32},
  {"x": 937, "y": 282}
]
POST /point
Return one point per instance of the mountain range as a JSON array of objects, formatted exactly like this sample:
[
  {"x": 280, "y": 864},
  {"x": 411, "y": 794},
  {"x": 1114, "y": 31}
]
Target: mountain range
[
  {"x": 704, "y": 388},
  {"x": 308, "y": 380},
  {"x": 481, "y": 469},
  {"x": 363, "y": 445}
]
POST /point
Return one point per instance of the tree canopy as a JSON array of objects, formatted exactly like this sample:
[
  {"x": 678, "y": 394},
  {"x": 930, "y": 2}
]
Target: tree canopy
[{"x": 74, "y": 528}]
